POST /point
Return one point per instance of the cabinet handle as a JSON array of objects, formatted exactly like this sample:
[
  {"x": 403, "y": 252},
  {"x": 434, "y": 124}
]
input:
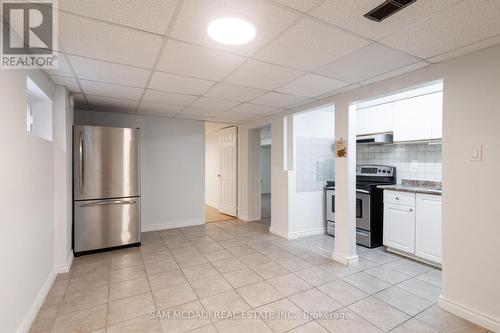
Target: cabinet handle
[
  {"x": 397, "y": 198},
  {"x": 411, "y": 209}
]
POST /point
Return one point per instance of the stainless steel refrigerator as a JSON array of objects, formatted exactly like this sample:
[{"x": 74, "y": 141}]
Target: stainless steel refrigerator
[{"x": 106, "y": 188}]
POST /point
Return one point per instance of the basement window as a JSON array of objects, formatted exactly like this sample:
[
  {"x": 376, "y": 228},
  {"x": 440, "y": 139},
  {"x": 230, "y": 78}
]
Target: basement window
[{"x": 38, "y": 112}]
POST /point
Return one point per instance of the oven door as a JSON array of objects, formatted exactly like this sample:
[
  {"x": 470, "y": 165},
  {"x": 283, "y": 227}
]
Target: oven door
[
  {"x": 330, "y": 205},
  {"x": 363, "y": 210}
]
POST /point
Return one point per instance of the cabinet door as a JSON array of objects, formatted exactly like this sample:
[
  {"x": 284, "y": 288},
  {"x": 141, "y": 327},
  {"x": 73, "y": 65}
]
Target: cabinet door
[
  {"x": 418, "y": 117},
  {"x": 428, "y": 227},
  {"x": 399, "y": 227},
  {"x": 375, "y": 119}
]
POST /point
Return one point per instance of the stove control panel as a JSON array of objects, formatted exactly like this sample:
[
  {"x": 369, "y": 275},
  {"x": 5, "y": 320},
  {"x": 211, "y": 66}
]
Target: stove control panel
[{"x": 375, "y": 170}]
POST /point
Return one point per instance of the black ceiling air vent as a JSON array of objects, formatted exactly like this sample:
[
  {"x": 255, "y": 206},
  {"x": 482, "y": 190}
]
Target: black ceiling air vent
[{"x": 387, "y": 9}]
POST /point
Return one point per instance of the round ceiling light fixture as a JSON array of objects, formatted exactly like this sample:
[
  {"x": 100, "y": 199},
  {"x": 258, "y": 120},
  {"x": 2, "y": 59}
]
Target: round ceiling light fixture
[{"x": 231, "y": 31}]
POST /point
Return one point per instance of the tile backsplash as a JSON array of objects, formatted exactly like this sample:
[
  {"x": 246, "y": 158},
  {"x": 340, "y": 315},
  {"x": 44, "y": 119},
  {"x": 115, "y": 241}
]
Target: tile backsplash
[{"x": 412, "y": 161}]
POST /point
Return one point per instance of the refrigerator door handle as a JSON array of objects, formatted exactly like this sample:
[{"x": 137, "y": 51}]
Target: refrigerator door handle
[
  {"x": 82, "y": 165},
  {"x": 110, "y": 202}
]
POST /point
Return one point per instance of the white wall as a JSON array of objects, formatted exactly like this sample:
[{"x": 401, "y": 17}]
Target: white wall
[
  {"x": 212, "y": 170},
  {"x": 172, "y": 166},
  {"x": 27, "y": 209},
  {"x": 265, "y": 169},
  {"x": 470, "y": 192}
]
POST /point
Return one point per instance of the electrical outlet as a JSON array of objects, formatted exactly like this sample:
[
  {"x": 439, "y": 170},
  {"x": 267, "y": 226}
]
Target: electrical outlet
[{"x": 476, "y": 153}]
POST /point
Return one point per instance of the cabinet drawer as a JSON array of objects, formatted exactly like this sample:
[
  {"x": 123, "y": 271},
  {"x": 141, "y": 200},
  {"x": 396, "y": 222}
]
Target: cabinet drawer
[{"x": 399, "y": 198}]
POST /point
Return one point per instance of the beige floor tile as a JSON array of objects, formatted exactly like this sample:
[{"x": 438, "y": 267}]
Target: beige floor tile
[
  {"x": 242, "y": 277},
  {"x": 403, "y": 300},
  {"x": 81, "y": 321},
  {"x": 380, "y": 314},
  {"x": 254, "y": 259},
  {"x": 42, "y": 326},
  {"x": 434, "y": 277},
  {"x": 387, "y": 274},
  {"x": 315, "y": 259},
  {"x": 217, "y": 255},
  {"x": 193, "y": 260},
  {"x": 254, "y": 325},
  {"x": 166, "y": 279},
  {"x": 446, "y": 322},
  {"x": 209, "y": 286},
  {"x": 233, "y": 242},
  {"x": 184, "y": 251},
  {"x": 289, "y": 284},
  {"x": 58, "y": 288},
  {"x": 200, "y": 272},
  {"x": 310, "y": 327},
  {"x": 379, "y": 256},
  {"x": 144, "y": 324},
  {"x": 226, "y": 301},
  {"x": 339, "y": 270},
  {"x": 164, "y": 254},
  {"x": 129, "y": 308},
  {"x": 413, "y": 326},
  {"x": 421, "y": 288},
  {"x": 173, "y": 296},
  {"x": 343, "y": 292},
  {"x": 228, "y": 265},
  {"x": 366, "y": 282},
  {"x": 242, "y": 250},
  {"x": 161, "y": 266},
  {"x": 409, "y": 267},
  {"x": 278, "y": 321},
  {"x": 85, "y": 299},
  {"x": 294, "y": 264},
  {"x": 259, "y": 294},
  {"x": 174, "y": 324},
  {"x": 128, "y": 273},
  {"x": 315, "y": 276},
  {"x": 127, "y": 261},
  {"x": 346, "y": 321},
  {"x": 314, "y": 302},
  {"x": 128, "y": 288},
  {"x": 90, "y": 282},
  {"x": 205, "y": 329},
  {"x": 270, "y": 270}
]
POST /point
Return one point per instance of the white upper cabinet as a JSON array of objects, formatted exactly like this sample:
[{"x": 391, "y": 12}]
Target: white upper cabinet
[
  {"x": 375, "y": 119},
  {"x": 418, "y": 118}
]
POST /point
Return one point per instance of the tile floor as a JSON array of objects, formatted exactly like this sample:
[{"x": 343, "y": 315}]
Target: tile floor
[{"x": 236, "y": 266}]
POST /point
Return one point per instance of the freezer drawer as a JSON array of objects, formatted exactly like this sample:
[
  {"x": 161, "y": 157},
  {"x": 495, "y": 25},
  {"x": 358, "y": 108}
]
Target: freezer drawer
[{"x": 101, "y": 224}]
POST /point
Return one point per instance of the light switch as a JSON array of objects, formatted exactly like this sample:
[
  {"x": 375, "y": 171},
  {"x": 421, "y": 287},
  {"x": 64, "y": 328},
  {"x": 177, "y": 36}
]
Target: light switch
[{"x": 476, "y": 152}]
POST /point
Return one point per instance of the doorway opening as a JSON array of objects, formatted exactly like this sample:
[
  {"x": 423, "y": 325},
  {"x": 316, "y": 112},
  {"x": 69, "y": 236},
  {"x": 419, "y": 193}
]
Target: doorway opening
[
  {"x": 265, "y": 174},
  {"x": 220, "y": 172}
]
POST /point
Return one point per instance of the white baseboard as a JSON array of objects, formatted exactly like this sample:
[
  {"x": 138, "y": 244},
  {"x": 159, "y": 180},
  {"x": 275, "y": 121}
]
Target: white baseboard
[
  {"x": 173, "y": 224},
  {"x": 492, "y": 324},
  {"x": 345, "y": 260},
  {"x": 67, "y": 267},
  {"x": 296, "y": 234},
  {"x": 247, "y": 218},
  {"x": 37, "y": 303}
]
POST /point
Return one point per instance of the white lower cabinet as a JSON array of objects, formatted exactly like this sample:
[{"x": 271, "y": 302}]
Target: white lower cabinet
[
  {"x": 399, "y": 227},
  {"x": 412, "y": 224},
  {"x": 428, "y": 227}
]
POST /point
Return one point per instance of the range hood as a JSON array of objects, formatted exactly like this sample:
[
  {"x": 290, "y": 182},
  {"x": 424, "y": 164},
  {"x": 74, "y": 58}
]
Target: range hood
[{"x": 375, "y": 139}]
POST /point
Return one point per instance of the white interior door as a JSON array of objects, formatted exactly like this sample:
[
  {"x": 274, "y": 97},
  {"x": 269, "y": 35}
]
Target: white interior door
[{"x": 228, "y": 170}]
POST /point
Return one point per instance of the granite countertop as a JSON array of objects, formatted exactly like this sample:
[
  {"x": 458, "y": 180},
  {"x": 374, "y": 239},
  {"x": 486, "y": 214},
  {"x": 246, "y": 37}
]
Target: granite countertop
[{"x": 415, "y": 186}]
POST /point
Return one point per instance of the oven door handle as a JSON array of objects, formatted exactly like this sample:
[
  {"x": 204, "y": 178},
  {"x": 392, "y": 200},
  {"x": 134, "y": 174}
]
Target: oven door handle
[{"x": 362, "y": 191}]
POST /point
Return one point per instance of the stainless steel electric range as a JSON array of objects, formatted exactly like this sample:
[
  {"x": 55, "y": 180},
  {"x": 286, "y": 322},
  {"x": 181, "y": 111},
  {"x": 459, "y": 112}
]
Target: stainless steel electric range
[{"x": 369, "y": 203}]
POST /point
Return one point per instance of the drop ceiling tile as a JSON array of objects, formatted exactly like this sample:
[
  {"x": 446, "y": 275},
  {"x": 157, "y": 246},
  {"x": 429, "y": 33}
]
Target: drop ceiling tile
[
  {"x": 97, "y": 70},
  {"x": 100, "y": 103},
  {"x": 164, "y": 97},
  {"x": 279, "y": 99},
  {"x": 196, "y": 15},
  {"x": 204, "y": 114},
  {"x": 214, "y": 104},
  {"x": 256, "y": 109},
  {"x": 463, "y": 24},
  {"x": 68, "y": 82},
  {"x": 365, "y": 63},
  {"x": 159, "y": 109},
  {"x": 309, "y": 45},
  {"x": 179, "y": 84},
  {"x": 63, "y": 68},
  {"x": 151, "y": 15},
  {"x": 302, "y": 5},
  {"x": 106, "y": 41},
  {"x": 233, "y": 93},
  {"x": 110, "y": 90},
  {"x": 261, "y": 75},
  {"x": 467, "y": 49},
  {"x": 397, "y": 72},
  {"x": 339, "y": 91},
  {"x": 197, "y": 61},
  {"x": 348, "y": 14},
  {"x": 311, "y": 85}
]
